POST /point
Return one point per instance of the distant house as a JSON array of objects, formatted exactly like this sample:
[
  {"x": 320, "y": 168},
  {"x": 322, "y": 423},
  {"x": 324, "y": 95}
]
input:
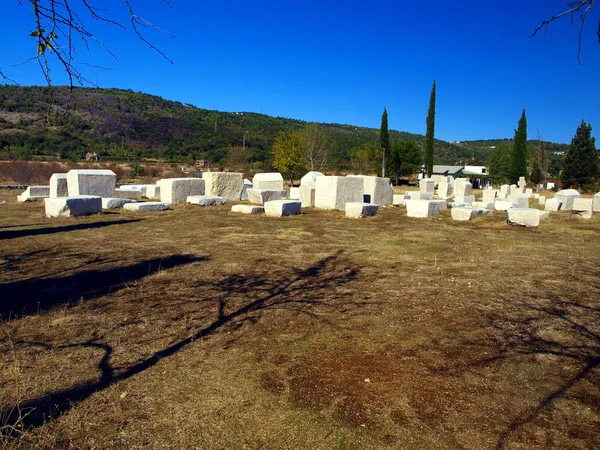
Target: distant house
[
  {"x": 92, "y": 156},
  {"x": 446, "y": 171},
  {"x": 478, "y": 175},
  {"x": 475, "y": 170}
]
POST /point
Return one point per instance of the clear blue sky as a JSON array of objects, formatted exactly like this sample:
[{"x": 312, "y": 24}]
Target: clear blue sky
[{"x": 343, "y": 61}]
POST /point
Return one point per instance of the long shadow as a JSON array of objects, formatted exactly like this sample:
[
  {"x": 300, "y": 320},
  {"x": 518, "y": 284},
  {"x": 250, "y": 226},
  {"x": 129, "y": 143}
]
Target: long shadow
[
  {"x": 36, "y": 295},
  {"x": 239, "y": 299},
  {"x": 13, "y": 234}
]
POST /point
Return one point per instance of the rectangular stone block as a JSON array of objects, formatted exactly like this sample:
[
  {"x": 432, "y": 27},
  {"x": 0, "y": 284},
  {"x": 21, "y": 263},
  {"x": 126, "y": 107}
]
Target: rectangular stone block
[
  {"x": 427, "y": 185},
  {"x": 424, "y": 208},
  {"x": 75, "y": 206},
  {"x": 464, "y": 213},
  {"x": 311, "y": 176},
  {"x": 398, "y": 200},
  {"x": 520, "y": 199},
  {"x": 489, "y": 195},
  {"x": 153, "y": 191},
  {"x": 247, "y": 185},
  {"x": 356, "y": 210},
  {"x": 566, "y": 197},
  {"x": 541, "y": 200},
  {"x": 176, "y": 190},
  {"x": 334, "y": 192},
  {"x": 294, "y": 193},
  {"x": 418, "y": 195},
  {"x": 504, "y": 205},
  {"x": 34, "y": 194},
  {"x": 583, "y": 207},
  {"x": 272, "y": 181},
  {"x": 206, "y": 200},
  {"x": 482, "y": 205},
  {"x": 248, "y": 209},
  {"x": 260, "y": 196},
  {"x": 133, "y": 194},
  {"x": 524, "y": 217},
  {"x": 445, "y": 190},
  {"x": 505, "y": 190},
  {"x": 91, "y": 182},
  {"x": 464, "y": 199},
  {"x": 462, "y": 187},
  {"x": 280, "y": 208},
  {"x": 307, "y": 194},
  {"x": 552, "y": 204},
  {"x": 379, "y": 190},
  {"x": 146, "y": 206},
  {"x": 224, "y": 184},
  {"x": 58, "y": 185},
  {"x": 115, "y": 203},
  {"x": 596, "y": 205}
]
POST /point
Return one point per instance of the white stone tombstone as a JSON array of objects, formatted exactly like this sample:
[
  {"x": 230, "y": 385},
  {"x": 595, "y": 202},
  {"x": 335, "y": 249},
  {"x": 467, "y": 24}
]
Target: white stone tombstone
[
  {"x": 294, "y": 193},
  {"x": 247, "y": 185},
  {"x": 489, "y": 195},
  {"x": 462, "y": 187},
  {"x": 261, "y": 196},
  {"x": 464, "y": 200},
  {"x": 224, "y": 184},
  {"x": 306, "y": 194},
  {"x": 311, "y": 176},
  {"x": 146, "y": 206},
  {"x": 505, "y": 191},
  {"x": 176, "y": 190},
  {"x": 522, "y": 184},
  {"x": 34, "y": 194},
  {"x": 75, "y": 206},
  {"x": 529, "y": 191},
  {"x": 424, "y": 208},
  {"x": 525, "y": 217},
  {"x": 58, "y": 185},
  {"x": 482, "y": 205},
  {"x": 206, "y": 200},
  {"x": 445, "y": 190},
  {"x": 248, "y": 209},
  {"x": 398, "y": 200},
  {"x": 427, "y": 185},
  {"x": 566, "y": 197},
  {"x": 596, "y": 202},
  {"x": 552, "y": 204},
  {"x": 583, "y": 207},
  {"x": 133, "y": 194},
  {"x": 520, "y": 199},
  {"x": 356, "y": 210},
  {"x": 418, "y": 195},
  {"x": 280, "y": 208},
  {"x": 377, "y": 190},
  {"x": 115, "y": 203},
  {"x": 272, "y": 181},
  {"x": 464, "y": 213},
  {"x": 541, "y": 200},
  {"x": 153, "y": 191},
  {"x": 504, "y": 205},
  {"x": 334, "y": 192},
  {"x": 91, "y": 182}
]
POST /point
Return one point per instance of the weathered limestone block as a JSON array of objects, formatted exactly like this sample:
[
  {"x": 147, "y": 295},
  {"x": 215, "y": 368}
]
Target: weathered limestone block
[
  {"x": 596, "y": 199},
  {"x": 224, "y": 184},
  {"x": 34, "y": 194},
  {"x": 542, "y": 200},
  {"x": 146, "y": 206},
  {"x": 356, "y": 210},
  {"x": 445, "y": 190},
  {"x": 272, "y": 181},
  {"x": 307, "y": 194},
  {"x": 525, "y": 217},
  {"x": 58, "y": 185},
  {"x": 489, "y": 195},
  {"x": 505, "y": 191},
  {"x": 311, "y": 176},
  {"x": 133, "y": 194},
  {"x": 248, "y": 209},
  {"x": 334, "y": 192},
  {"x": 153, "y": 191},
  {"x": 377, "y": 190},
  {"x": 176, "y": 190},
  {"x": 514, "y": 189},
  {"x": 424, "y": 208},
  {"x": 115, "y": 203},
  {"x": 247, "y": 185},
  {"x": 463, "y": 213},
  {"x": 520, "y": 199},
  {"x": 462, "y": 187},
  {"x": 294, "y": 193},
  {"x": 280, "y": 208},
  {"x": 529, "y": 192},
  {"x": 566, "y": 196},
  {"x": 91, "y": 182},
  {"x": 427, "y": 185},
  {"x": 465, "y": 199},
  {"x": 398, "y": 200},
  {"x": 583, "y": 208},
  {"x": 504, "y": 205},
  {"x": 81, "y": 205},
  {"x": 418, "y": 195},
  {"x": 552, "y": 204},
  {"x": 206, "y": 200},
  {"x": 483, "y": 205},
  {"x": 135, "y": 187},
  {"x": 260, "y": 196}
]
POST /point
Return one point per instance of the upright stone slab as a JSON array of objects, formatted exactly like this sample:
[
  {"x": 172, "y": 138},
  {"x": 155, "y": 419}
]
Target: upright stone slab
[
  {"x": 462, "y": 187},
  {"x": 280, "y": 208},
  {"x": 504, "y": 191},
  {"x": 398, "y": 200},
  {"x": 583, "y": 208},
  {"x": 525, "y": 217},
  {"x": 307, "y": 193},
  {"x": 529, "y": 192},
  {"x": 552, "y": 204},
  {"x": 566, "y": 197},
  {"x": 334, "y": 192},
  {"x": 81, "y": 205},
  {"x": 176, "y": 190},
  {"x": 522, "y": 184},
  {"x": 378, "y": 190},
  {"x": 596, "y": 203},
  {"x": 133, "y": 194},
  {"x": 489, "y": 195},
  {"x": 34, "y": 194},
  {"x": 261, "y": 196},
  {"x": 248, "y": 209},
  {"x": 427, "y": 185},
  {"x": 272, "y": 181},
  {"x": 58, "y": 185},
  {"x": 294, "y": 193},
  {"x": 247, "y": 185},
  {"x": 224, "y": 184},
  {"x": 153, "y": 191},
  {"x": 542, "y": 200},
  {"x": 356, "y": 210},
  {"x": 424, "y": 208},
  {"x": 520, "y": 199},
  {"x": 445, "y": 189},
  {"x": 91, "y": 182}
]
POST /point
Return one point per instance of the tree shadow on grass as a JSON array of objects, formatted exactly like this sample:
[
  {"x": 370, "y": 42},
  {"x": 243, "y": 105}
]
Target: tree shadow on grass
[
  {"x": 13, "y": 234},
  {"x": 32, "y": 296},
  {"x": 238, "y": 299}
]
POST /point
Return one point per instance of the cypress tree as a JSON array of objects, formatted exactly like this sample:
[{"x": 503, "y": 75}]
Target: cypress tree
[
  {"x": 429, "y": 134},
  {"x": 385, "y": 140},
  {"x": 519, "y": 156},
  {"x": 581, "y": 162}
]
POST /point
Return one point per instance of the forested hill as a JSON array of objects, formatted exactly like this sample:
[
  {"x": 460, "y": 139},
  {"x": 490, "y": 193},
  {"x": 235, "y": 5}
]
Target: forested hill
[{"x": 126, "y": 125}]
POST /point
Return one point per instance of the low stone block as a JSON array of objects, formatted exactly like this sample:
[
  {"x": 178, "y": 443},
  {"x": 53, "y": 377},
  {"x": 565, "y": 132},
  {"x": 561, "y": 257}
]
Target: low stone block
[
  {"x": 247, "y": 185},
  {"x": 334, "y": 192},
  {"x": 398, "y": 199},
  {"x": 146, "y": 206},
  {"x": 224, "y": 184},
  {"x": 94, "y": 182},
  {"x": 272, "y": 181},
  {"x": 58, "y": 185},
  {"x": 504, "y": 205},
  {"x": 524, "y": 217},
  {"x": 294, "y": 193},
  {"x": 529, "y": 191},
  {"x": 482, "y": 205},
  {"x": 465, "y": 199},
  {"x": 566, "y": 197},
  {"x": 465, "y": 213},
  {"x": 248, "y": 209},
  {"x": 356, "y": 210},
  {"x": 553, "y": 204},
  {"x": 542, "y": 200},
  {"x": 280, "y": 208},
  {"x": 206, "y": 200},
  {"x": 307, "y": 194},
  {"x": 583, "y": 208},
  {"x": 115, "y": 203},
  {"x": 260, "y": 196},
  {"x": 133, "y": 194},
  {"x": 74, "y": 206},
  {"x": 34, "y": 194},
  {"x": 176, "y": 190},
  {"x": 424, "y": 208},
  {"x": 134, "y": 187}
]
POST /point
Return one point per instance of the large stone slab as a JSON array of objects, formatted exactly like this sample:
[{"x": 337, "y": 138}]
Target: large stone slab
[
  {"x": 206, "y": 200},
  {"x": 427, "y": 185},
  {"x": 583, "y": 208},
  {"x": 280, "y": 208},
  {"x": 462, "y": 187},
  {"x": 260, "y": 196},
  {"x": 596, "y": 206},
  {"x": 224, "y": 184},
  {"x": 115, "y": 203},
  {"x": 552, "y": 204},
  {"x": 135, "y": 187},
  {"x": 307, "y": 194},
  {"x": 272, "y": 181},
  {"x": 445, "y": 189},
  {"x": 248, "y": 209},
  {"x": 334, "y": 192},
  {"x": 58, "y": 185},
  {"x": 146, "y": 206},
  {"x": 505, "y": 191},
  {"x": 176, "y": 190},
  {"x": 566, "y": 197},
  {"x": 377, "y": 190},
  {"x": 356, "y": 210},
  {"x": 464, "y": 199},
  {"x": 464, "y": 213},
  {"x": 424, "y": 208},
  {"x": 34, "y": 194},
  {"x": 524, "y": 217},
  {"x": 483, "y": 205},
  {"x": 520, "y": 199},
  {"x": 91, "y": 182},
  {"x": 489, "y": 195},
  {"x": 73, "y": 206},
  {"x": 542, "y": 200}
]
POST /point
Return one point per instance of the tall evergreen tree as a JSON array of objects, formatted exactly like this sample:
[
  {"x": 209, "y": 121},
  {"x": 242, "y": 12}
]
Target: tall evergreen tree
[
  {"x": 581, "y": 163},
  {"x": 519, "y": 156},
  {"x": 429, "y": 134},
  {"x": 385, "y": 140}
]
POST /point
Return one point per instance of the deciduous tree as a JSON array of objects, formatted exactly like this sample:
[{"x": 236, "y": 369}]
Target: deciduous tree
[
  {"x": 288, "y": 152},
  {"x": 404, "y": 160},
  {"x": 317, "y": 146}
]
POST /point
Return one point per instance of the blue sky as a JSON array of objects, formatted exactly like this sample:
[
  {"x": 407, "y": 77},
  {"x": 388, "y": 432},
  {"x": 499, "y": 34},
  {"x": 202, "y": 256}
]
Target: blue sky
[{"x": 343, "y": 61}]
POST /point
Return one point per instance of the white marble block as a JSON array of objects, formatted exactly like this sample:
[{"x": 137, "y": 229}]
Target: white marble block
[
  {"x": 445, "y": 190},
  {"x": 247, "y": 185},
  {"x": 206, "y": 200},
  {"x": 489, "y": 195},
  {"x": 91, "y": 182},
  {"x": 58, "y": 185},
  {"x": 596, "y": 206},
  {"x": 334, "y": 192},
  {"x": 176, "y": 190},
  {"x": 260, "y": 196},
  {"x": 115, "y": 203},
  {"x": 552, "y": 204},
  {"x": 356, "y": 210},
  {"x": 462, "y": 187},
  {"x": 464, "y": 213},
  {"x": 483, "y": 205},
  {"x": 522, "y": 184},
  {"x": 464, "y": 200},
  {"x": 272, "y": 181},
  {"x": 424, "y": 208},
  {"x": 280, "y": 208},
  {"x": 542, "y": 200},
  {"x": 75, "y": 206},
  {"x": 529, "y": 191},
  {"x": 146, "y": 206},
  {"x": 377, "y": 190},
  {"x": 307, "y": 194},
  {"x": 583, "y": 207},
  {"x": 427, "y": 185},
  {"x": 294, "y": 193},
  {"x": 398, "y": 200},
  {"x": 311, "y": 176},
  {"x": 525, "y": 217},
  {"x": 505, "y": 191},
  {"x": 34, "y": 194},
  {"x": 566, "y": 197},
  {"x": 248, "y": 209},
  {"x": 224, "y": 184},
  {"x": 418, "y": 195},
  {"x": 520, "y": 199},
  {"x": 134, "y": 194},
  {"x": 142, "y": 188},
  {"x": 504, "y": 205},
  {"x": 153, "y": 191}
]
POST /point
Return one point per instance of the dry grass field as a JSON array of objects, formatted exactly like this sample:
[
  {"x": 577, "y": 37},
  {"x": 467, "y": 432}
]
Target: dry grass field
[{"x": 198, "y": 328}]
